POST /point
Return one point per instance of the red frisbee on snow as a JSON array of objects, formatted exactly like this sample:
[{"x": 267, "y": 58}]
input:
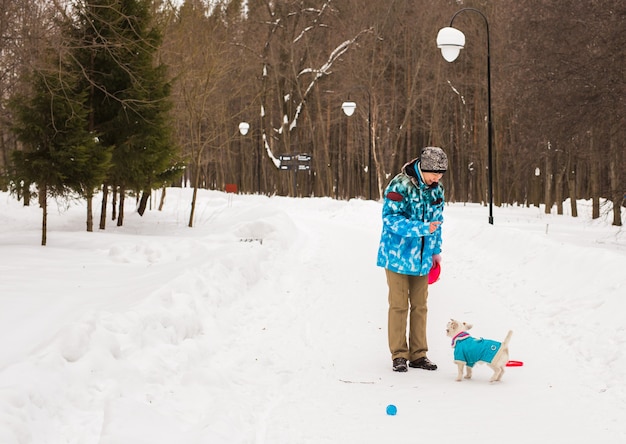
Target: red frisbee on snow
[
  {"x": 433, "y": 274},
  {"x": 514, "y": 364}
]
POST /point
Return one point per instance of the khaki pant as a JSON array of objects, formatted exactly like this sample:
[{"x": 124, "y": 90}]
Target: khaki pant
[{"x": 408, "y": 296}]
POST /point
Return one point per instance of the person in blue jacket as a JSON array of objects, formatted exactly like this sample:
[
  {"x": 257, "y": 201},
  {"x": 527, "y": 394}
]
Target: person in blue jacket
[{"x": 409, "y": 245}]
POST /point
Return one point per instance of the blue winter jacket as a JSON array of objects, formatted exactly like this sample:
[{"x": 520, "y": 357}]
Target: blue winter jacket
[{"x": 406, "y": 244}]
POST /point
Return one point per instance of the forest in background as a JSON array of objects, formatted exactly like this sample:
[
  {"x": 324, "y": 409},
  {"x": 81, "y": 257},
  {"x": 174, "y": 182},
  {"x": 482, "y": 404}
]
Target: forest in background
[{"x": 286, "y": 67}]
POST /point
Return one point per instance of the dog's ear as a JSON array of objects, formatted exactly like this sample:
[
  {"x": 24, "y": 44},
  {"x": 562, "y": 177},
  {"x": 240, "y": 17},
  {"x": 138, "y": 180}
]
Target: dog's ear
[{"x": 467, "y": 326}]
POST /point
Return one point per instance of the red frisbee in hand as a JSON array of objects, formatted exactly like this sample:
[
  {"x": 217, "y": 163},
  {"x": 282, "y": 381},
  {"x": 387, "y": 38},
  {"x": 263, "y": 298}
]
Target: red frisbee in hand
[{"x": 433, "y": 275}]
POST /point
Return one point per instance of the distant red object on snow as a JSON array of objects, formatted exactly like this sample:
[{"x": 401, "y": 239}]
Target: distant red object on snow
[{"x": 433, "y": 275}]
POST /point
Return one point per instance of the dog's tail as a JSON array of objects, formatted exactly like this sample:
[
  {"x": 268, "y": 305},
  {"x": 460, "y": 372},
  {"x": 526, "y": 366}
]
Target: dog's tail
[{"x": 505, "y": 343}]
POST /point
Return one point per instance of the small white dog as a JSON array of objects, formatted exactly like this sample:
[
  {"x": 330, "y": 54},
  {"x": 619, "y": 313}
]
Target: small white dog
[{"x": 469, "y": 351}]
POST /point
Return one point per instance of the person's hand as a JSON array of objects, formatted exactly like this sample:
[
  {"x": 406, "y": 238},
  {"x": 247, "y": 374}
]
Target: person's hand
[
  {"x": 434, "y": 225},
  {"x": 436, "y": 259}
]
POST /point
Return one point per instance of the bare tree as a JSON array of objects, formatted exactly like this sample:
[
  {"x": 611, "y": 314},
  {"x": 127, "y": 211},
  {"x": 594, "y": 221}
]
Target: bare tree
[
  {"x": 563, "y": 84},
  {"x": 198, "y": 53},
  {"x": 296, "y": 56}
]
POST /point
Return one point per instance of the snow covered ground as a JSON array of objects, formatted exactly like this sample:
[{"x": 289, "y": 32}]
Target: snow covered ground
[{"x": 266, "y": 323}]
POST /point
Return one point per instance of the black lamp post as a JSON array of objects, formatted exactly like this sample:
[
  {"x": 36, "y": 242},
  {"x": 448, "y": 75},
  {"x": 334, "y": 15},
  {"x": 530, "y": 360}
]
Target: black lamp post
[
  {"x": 450, "y": 40},
  {"x": 244, "y": 127},
  {"x": 349, "y": 108}
]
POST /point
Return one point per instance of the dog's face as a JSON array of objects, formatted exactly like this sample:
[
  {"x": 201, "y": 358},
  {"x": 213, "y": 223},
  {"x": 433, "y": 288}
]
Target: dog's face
[{"x": 455, "y": 327}]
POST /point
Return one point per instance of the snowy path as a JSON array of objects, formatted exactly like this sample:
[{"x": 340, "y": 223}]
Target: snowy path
[
  {"x": 352, "y": 380},
  {"x": 266, "y": 323}
]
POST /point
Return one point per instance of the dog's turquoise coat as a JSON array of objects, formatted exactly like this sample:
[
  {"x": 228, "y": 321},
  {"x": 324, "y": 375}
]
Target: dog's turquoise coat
[{"x": 471, "y": 350}]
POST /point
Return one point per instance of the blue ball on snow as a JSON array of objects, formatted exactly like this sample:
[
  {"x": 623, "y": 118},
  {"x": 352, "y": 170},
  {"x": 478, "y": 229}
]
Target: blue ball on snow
[{"x": 392, "y": 410}]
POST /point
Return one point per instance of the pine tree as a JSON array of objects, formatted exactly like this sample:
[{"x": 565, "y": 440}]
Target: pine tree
[
  {"x": 58, "y": 151},
  {"x": 129, "y": 93}
]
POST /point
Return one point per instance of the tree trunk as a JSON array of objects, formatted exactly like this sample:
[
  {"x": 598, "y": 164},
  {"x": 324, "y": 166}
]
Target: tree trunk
[
  {"x": 616, "y": 190},
  {"x": 571, "y": 185},
  {"x": 193, "y": 205},
  {"x": 114, "y": 190},
  {"x": 162, "y": 201},
  {"x": 43, "y": 203},
  {"x": 558, "y": 192},
  {"x": 196, "y": 181},
  {"x": 89, "y": 198},
  {"x": 143, "y": 202},
  {"x": 595, "y": 181},
  {"x": 547, "y": 197},
  {"x": 120, "y": 217},
  {"x": 27, "y": 195},
  {"x": 103, "y": 207}
]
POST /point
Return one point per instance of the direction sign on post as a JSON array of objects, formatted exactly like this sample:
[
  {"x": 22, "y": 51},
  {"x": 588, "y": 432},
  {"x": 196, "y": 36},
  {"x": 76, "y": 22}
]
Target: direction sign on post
[
  {"x": 297, "y": 162},
  {"x": 304, "y": 162},
  {"x": 303, "y": 157},
  {"x": 287, "y": 162}
]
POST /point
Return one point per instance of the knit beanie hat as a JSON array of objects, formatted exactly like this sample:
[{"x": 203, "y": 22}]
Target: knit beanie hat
[{"x": 433, "y": 160}]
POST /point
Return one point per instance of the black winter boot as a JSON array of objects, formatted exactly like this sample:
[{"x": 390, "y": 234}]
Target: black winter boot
[
  {"x": 424, "y": 363},
  {"x": 399, "y": 365}
]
